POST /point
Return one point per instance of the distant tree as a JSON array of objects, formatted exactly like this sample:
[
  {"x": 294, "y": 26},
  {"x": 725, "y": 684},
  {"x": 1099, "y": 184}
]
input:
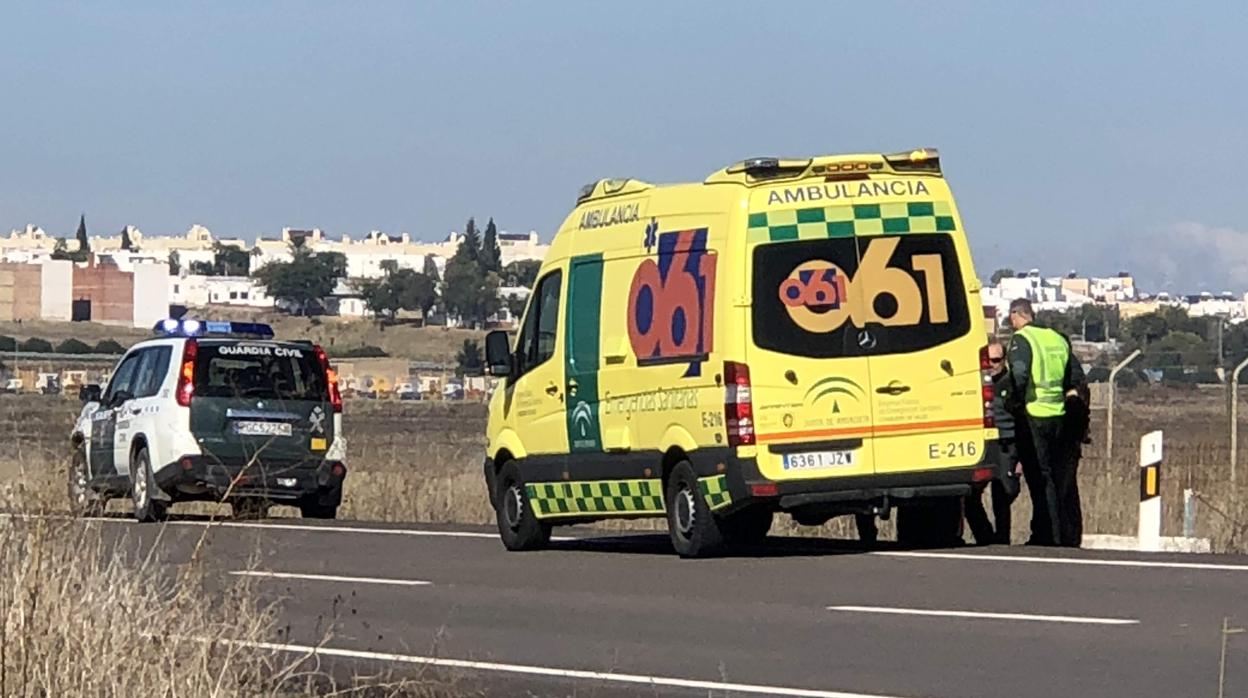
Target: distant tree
[
  {"x": 389, "y": 266},
  {"x": 126, "y": 243},
  {"x": 470, "y": 246},
  {"x": 109, "y": 346},
  {"x": 61, "y": 251},
  {"x": 35, "y": 345},
  {"x": 175, "y": 263},
  {"x": 491, "y": 255},
  {"x": 305, "y": 281},
  {"x": 431, "y": 268},
  {"x": 73, "y": 346},
  {"x": 7, "y": 343},
  {"x": 515, "y": 305},
  {"x": 522, "y": 272},
  {"x": 405, "y": 289},
  {"x": 201, "y": 268},
  {"x": 230, "y": 260},
  {"x": 84, "y": 244},
  {"x": 469, "y": 361},
  {"x": 1003, "y": 273},
  {"x": 469, "y": 292}
]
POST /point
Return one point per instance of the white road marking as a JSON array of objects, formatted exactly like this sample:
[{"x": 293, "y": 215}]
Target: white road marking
[
  {"x": 531, "y": 670},
  {"x": 1154, "y": 564},
  {"x": 1085, "y": 620},
  {"x": 331, "y": 529},
  {"x": 331, "y": 578}
]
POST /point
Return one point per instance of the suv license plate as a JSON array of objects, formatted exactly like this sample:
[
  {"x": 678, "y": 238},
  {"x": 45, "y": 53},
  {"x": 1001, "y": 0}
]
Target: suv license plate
[
  {"x": 262, "y": 428},
  {"x": 818, "y": 459}
]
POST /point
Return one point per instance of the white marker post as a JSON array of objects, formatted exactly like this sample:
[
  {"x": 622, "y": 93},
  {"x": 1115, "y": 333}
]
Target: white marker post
[{"x": 1149, "y": 534}]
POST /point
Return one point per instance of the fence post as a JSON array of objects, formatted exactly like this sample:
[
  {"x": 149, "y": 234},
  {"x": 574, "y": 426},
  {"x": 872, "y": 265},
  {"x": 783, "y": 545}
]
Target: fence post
[
  {"x": 1109, "y": 407},
  {"x": 1149, "y": 529},
  {"x": 1234, "y": 409}
]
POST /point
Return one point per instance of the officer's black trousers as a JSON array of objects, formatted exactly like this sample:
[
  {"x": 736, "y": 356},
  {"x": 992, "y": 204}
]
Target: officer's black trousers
[
  {"x": 1050, "y": 465},
  {"x": 1004, "y": 492}
]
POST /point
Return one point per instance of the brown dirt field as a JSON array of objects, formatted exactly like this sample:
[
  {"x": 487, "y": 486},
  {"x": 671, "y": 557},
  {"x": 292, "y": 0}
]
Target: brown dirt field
[
  {"x": 434, "y": 344},
  {"x": 421, "y": 462}
]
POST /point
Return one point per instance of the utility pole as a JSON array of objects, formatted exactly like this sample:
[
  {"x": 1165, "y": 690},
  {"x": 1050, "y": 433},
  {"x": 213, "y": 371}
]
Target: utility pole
[{"x": 1233, "y": 400}]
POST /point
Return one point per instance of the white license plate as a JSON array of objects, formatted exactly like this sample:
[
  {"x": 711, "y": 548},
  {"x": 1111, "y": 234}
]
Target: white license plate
[
  {"x": 262, "y": 428},
  {"x": 818, "y": 459}
]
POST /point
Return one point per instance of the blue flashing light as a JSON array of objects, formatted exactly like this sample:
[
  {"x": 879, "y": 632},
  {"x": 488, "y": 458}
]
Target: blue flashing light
[{"x": 190, "y": 327}]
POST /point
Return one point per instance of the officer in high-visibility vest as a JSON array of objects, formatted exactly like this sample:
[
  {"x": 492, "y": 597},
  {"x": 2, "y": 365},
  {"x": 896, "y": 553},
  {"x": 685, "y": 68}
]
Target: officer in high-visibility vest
[{"x": 1045, "y": 373}]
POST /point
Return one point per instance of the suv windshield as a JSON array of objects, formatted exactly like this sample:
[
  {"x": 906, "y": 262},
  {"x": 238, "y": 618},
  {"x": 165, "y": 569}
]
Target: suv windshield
[
  {"x": 864, "y": 296},
  {"x": 254, "y": 370}
]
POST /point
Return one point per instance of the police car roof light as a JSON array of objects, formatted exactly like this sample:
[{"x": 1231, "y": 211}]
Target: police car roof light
[{"x": 190, "y": 327}]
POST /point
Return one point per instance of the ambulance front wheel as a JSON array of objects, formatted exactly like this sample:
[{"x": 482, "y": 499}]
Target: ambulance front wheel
[{"x": 519, "y": 528}]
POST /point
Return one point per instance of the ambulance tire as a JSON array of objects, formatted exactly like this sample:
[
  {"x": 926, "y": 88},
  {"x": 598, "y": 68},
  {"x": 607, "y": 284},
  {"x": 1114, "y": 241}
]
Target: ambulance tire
[
  {"x": 748, "y": 527},
  {"x": 694, "y": 528},
  {"x": 147, "y": 508},
  {"x": 930, "y": 523},
  {"x": 519, "y": 528}
]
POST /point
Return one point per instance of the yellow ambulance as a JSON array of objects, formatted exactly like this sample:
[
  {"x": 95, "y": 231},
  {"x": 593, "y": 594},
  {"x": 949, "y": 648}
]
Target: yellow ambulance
[{"x": 801, "y": 336}]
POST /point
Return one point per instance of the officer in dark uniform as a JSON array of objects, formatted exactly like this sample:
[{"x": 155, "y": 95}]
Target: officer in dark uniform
[
  {"x": 1045, "y": 374},
  {"x": 1005, "y": 486}
]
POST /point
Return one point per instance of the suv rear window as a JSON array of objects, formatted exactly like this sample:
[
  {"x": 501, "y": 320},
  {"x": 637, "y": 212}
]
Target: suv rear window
[
  {"x": 864, "y": 296},
  {"x": 250, "y": 370}
]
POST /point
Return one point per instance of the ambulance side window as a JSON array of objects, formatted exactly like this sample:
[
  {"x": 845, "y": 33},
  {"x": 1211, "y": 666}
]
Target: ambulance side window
[{"x": 541, "y": 324}]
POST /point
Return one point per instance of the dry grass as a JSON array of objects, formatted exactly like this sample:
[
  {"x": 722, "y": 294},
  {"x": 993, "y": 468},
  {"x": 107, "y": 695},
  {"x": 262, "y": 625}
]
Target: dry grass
[{"x": 421, "y": 462}]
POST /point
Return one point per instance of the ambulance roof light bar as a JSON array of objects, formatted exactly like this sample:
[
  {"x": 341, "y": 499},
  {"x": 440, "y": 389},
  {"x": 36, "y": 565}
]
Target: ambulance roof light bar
[
  {"x": 918, "y": 160},
  {"x": 190, "y": 327}
]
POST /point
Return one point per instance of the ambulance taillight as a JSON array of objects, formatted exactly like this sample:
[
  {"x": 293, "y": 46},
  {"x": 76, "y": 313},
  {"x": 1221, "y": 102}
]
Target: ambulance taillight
[
  {"x": 738, "y": 405},
  {"x": 987, "y": 391}
]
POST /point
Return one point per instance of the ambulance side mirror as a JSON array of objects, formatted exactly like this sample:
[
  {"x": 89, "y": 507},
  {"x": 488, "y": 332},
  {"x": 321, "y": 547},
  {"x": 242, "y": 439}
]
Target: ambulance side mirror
[{"x": 498, "y": 354}]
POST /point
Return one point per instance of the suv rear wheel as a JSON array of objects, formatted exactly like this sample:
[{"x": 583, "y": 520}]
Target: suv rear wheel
[
  {"x": 318, "y": 511},
  {"x": 518, "y": 526},
  {"x": 142, "y": 488}
]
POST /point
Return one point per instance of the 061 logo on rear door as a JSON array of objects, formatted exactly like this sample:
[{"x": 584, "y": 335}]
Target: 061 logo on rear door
[{"x": 671, "y": 309}]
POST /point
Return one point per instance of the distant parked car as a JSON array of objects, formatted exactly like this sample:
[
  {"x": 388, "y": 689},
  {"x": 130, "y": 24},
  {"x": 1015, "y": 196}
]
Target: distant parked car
[
  {"x": 453, "y": 391},
  {"x": 12, "y": 386},
  {"x": 407, "y": 391}
]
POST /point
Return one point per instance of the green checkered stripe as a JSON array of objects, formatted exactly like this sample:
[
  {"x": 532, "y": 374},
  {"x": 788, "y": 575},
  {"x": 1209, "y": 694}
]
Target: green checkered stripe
[
  {"x": 605, "y": 497},
  {"x": 615, "y": 497},
  {"x": 848, "y": 221},
  {"x": 715, "y": 489}
]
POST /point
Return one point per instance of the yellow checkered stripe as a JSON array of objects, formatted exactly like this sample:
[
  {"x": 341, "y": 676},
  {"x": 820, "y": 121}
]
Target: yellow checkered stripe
[
  {"x": 851, "y": 220},
  {"x": 552, "y": 499},
  {"x": 615, "y": 497},
  {"x": 715, "y": 489}
]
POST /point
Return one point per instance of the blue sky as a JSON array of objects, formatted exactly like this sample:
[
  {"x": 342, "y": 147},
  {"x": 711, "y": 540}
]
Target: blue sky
[{"x": 1095, "y": 137}]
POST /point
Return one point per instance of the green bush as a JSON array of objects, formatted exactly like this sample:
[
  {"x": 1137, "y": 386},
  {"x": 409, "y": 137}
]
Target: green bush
[
  {"x": 7, "y": 343},
  {"x": 35, "y": 345},
  {"x": 73, "y": 346},
  {"x": 366, "y": 351},
  {"x": 109, "y": 346}
]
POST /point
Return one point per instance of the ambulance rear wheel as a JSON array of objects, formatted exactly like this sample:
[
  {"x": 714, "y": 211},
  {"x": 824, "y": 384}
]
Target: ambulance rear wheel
[
  {"x": 518, "y": 526},
  {"x": 930, "y": 523},
  {"x": 693, "y": 527}
]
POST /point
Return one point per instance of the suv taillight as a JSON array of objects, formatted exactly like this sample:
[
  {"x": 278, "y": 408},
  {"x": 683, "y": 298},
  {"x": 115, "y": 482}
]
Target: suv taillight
[
  {"x": 186, "y": 374},
  {"x": 738, "y": 405},
  {"x": 331, "y": 378},
  {"x": 987, "y": 391}
]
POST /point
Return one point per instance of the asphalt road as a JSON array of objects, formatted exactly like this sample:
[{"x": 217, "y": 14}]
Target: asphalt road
[{"x": 798, "y": 617}]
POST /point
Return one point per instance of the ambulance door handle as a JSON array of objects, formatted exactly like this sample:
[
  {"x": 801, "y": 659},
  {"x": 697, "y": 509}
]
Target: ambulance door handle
[
  {"x": 552, "y": 390},
  {"x": 893, "y": 389}
]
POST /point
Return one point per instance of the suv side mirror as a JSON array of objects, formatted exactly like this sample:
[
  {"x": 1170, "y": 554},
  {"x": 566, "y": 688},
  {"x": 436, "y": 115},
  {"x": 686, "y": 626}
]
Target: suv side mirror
[
  {"x": 498, "y": 353},
  {"x": 89, "y": 393}
]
